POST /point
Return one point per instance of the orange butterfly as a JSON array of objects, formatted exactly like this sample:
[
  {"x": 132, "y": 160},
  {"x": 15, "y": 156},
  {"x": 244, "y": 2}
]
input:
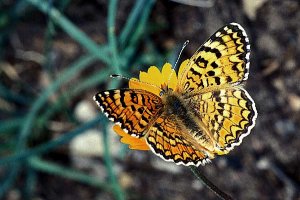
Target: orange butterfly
[{"x": 189, "y": 118}]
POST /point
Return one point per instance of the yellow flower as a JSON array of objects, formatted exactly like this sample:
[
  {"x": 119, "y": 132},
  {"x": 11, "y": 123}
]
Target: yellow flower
[
  {"x": 134, "y": 143},
  {"x": 153, "y": 81}
]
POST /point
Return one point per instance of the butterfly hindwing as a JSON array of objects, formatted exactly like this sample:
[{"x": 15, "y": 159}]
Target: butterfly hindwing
[
  {"x": 222, "y": 59},
  {"x": 132, "y": 110},
  {"x": 168, "y": 141},
  {"x": 228, "y": 114}
]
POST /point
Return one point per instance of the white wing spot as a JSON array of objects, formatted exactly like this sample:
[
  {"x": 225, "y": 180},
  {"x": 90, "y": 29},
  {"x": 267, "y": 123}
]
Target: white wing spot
[
  {"x": 119, "y": 124},
  {"x": 247, "y": 56},
  {"x": 101, "y": 108},
  {"x": 218, "y": 34},
  {"x": 125, "y": 130}
]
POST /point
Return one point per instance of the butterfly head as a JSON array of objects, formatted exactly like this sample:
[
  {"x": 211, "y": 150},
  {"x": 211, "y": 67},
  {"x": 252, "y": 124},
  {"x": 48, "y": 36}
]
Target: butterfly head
[{"x": 165, "y": 89}]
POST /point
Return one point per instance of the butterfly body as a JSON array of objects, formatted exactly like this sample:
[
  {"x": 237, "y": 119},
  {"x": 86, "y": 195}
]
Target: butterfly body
[
  {"x": 191, "y": 117},
  {"x": 181, "y": 110}
]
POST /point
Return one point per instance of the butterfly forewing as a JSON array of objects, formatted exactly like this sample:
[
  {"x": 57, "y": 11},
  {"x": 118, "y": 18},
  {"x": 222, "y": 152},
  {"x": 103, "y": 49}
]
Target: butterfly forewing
[
  {"x": 132, "y": 110},
  {"x": 222, "y": 59}
]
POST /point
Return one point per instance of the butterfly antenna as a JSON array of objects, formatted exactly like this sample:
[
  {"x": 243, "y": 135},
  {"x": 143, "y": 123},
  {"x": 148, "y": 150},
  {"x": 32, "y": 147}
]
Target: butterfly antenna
[
  {"x": 119, "y": 76},
  {"x": 175, "y": 65},
  {"x": 136, "y": 80},
  {"x": 182, "y": 48}
]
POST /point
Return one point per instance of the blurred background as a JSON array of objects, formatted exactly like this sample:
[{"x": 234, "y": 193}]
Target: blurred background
[{"x": 56, "y": 54}]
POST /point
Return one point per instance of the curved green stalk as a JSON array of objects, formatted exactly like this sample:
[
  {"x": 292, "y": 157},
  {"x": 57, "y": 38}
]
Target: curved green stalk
[
  {"x": 209, "y": 184},
  {"x": 43, "y": 148},
  {"x": 119, "y": 194},
  {"x": 37, "y": 105}
]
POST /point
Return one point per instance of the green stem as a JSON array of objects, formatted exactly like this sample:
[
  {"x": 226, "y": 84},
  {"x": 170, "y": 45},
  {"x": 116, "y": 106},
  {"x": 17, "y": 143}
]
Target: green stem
[
  {"x": 131, "y": 22},
  {"x": 140, "y": 28},
  {"x": 73, "y": 31},
  {"x": 19, "y": 157},
  {"x": 112, "y": 8},
  {"x": 6, "y": 126},
  {"x": 209, "y": 184},
  {"x": 84, "y": 84},
  {"x": 119, "y": 194},
  {"x": 31, "y": 116},
  {"x": 54, "y": 169}
]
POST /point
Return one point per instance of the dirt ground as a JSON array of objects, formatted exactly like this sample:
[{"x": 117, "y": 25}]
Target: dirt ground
[{"x": 266, "y": 165}]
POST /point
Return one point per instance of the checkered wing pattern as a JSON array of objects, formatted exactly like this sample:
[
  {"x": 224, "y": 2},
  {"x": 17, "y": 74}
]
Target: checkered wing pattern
[
  {"x": 172, "y": 143},
  {"x": 222, "y": 59},
  {"x": 132, "y": 110},
  {"x": 228, "y": 115}
]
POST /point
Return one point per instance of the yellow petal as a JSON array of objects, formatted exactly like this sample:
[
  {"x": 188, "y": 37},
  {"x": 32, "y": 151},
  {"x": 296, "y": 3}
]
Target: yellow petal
[
  {"x": 169, "y": 76},
  {"x": 134, "y": 143},
  {"x": 135, "y": 83},
  {"x": 151, "y": 80},
  {"x": 153, "y": 76},
  {"x": 182, "y": 68}
]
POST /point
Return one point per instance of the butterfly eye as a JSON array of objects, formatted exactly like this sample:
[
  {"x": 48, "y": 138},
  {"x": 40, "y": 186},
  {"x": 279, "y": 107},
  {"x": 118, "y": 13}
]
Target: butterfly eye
[{"x": 162, "y": 93}]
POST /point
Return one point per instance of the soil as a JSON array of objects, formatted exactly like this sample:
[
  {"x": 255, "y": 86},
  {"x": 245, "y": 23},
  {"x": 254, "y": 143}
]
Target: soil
[{"x": 265, "y": 166}]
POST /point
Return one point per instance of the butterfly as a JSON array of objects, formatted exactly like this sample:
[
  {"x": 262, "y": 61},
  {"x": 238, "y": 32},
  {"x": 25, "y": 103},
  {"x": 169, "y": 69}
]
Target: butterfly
[{"x": 197, "y": 114}]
